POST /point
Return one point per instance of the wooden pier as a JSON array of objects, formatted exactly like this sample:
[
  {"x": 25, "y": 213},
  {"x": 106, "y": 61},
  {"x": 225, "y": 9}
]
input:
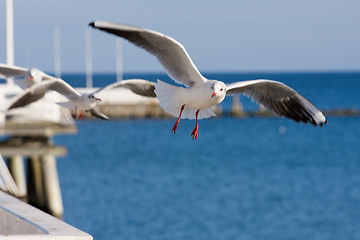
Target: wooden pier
[{"x": 32, "y": 144}]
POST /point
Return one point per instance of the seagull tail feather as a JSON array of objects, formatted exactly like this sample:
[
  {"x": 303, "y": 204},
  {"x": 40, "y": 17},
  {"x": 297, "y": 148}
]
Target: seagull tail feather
[{"x": 168, "y": 97}]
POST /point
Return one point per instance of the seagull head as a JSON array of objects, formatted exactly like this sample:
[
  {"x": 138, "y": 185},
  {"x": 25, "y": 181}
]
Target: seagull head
[
  {"x": 93, "y": 98},
  {"x": 34, "y": 75},
  {"x": 218, "y": 90},
  {"x": 88, "y": 101}
]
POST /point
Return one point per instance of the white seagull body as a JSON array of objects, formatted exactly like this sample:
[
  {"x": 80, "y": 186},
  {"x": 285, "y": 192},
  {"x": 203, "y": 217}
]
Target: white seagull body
[
  {"x": 76, "y": 100},
  {"x": 200, "y": 94},
  {"x": 31, "y": 75},
  {"x": 79, "y": 102}
]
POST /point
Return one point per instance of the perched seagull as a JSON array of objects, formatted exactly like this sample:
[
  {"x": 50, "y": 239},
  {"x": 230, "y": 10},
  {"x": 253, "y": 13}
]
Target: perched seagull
[
  {"x": 31, "y": 75},
  {"x": 79, "y": 102},
  {"x": 200, "y": 94}
]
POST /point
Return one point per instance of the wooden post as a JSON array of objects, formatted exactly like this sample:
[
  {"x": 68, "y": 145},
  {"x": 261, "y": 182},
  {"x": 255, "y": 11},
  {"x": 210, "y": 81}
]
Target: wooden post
[
  {"x": 52, "y": 192},
  {"x": 35, "y": 183},
  {"x": 263, "y": 112},
  {"x": 16, "y": 167},
  {"x": 236, "y": 107}
]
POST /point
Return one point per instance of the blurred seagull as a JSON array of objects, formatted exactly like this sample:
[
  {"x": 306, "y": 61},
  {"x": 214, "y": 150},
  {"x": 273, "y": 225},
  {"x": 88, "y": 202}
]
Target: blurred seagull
[
  {"x": 200, "y": 94},
  {"x": 77, "y": 101},
  {"x": 31, "y": 75}
]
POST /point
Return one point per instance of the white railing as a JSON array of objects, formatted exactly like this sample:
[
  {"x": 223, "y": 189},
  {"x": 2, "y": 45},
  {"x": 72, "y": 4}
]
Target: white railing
[{"x": 22, "y": 221}]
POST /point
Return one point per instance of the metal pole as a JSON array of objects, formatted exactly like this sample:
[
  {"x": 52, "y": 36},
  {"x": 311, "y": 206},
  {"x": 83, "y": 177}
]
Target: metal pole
[
  {"x": 119, "y": 63},
  {"x": 57, "y": 53},
  {"x": 9, "y": 35},
  {"x": 88, "y": 58}
]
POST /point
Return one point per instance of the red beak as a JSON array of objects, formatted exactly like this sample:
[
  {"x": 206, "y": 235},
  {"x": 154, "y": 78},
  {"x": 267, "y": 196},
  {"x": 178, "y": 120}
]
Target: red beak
[
  {"x": 31, "y": 77},
  {"x": 214, "y": 94},
  {"x": 98, "y": 99}
]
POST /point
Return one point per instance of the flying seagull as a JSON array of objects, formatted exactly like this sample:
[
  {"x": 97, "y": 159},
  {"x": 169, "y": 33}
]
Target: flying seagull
[
  {"x": 200, "y": 94},
  {"x": 31, "y": 75},
  {"x": 77, "y": 101}
]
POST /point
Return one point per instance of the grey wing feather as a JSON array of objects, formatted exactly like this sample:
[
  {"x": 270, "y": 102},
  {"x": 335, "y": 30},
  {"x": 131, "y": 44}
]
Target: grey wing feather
[
  {"x": 138, "y": 86},
  {"x": 98, "y": 114},
  {"x": 30, "y": 95},
  {"x": 7, "y": 71},
  {"x": 38, "y": 91},
  {"x": 171, "y": 54},
  {"x": 280, "y": 99},
  {"x": 26, "y": 99},
  {"x": 62, "y": 87},
  {"x": 47, "y": 77}
]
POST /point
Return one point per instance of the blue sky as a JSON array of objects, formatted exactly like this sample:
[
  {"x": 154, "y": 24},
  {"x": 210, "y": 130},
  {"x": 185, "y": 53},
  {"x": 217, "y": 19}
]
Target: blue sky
[{"x": 228, "y": 35}]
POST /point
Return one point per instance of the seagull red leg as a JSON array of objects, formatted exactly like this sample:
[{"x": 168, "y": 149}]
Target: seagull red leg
[
  {"x": 81, "y": 115},
  {"x": 178, "y": 120},
  {"x": 196, "y": 129}
]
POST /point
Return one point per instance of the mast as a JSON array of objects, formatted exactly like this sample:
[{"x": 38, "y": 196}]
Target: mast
[
  {"x": 9, "y": 35},
  {"x": 119, "y": 63},
  {"x": 57, "y": 53},
  {"x": 88, "y": 58}
]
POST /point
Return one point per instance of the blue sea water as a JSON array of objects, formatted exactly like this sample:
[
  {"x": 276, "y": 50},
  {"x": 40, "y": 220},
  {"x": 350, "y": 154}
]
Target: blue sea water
[{"x": 250, "y": 178}]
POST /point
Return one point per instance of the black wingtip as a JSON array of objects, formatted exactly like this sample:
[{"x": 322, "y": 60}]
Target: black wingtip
[
  {"x": 323, "y": 123},
  {"x": 92, "y": 24}
]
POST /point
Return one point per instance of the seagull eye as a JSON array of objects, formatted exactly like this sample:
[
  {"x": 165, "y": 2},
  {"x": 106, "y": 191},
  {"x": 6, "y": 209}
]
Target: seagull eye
[
  {"x": 212, "y": 88},
  {"x": 221, "y": 89}
]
